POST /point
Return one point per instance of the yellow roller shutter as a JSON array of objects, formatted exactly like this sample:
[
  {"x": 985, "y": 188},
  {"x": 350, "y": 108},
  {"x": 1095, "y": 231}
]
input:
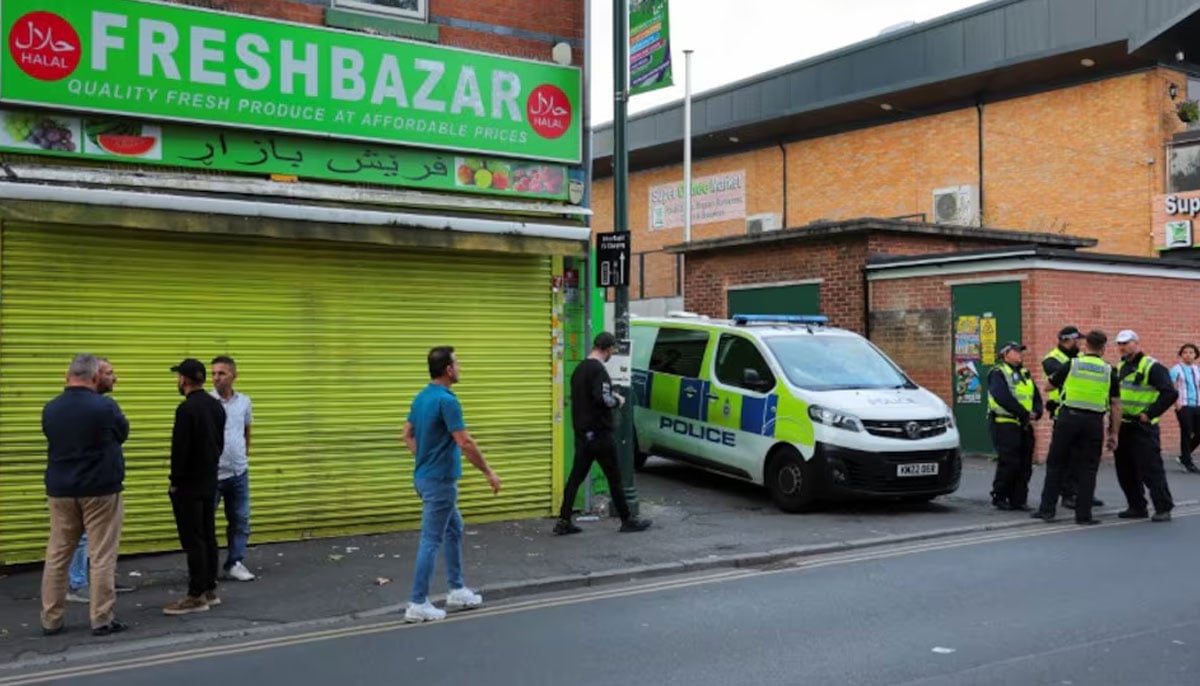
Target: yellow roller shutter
[{"x": 330, "y": 342}]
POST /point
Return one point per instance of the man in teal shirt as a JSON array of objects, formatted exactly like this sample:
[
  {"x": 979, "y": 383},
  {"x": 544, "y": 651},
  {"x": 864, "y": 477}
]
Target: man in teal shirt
[{"x": 437, "y": 435}]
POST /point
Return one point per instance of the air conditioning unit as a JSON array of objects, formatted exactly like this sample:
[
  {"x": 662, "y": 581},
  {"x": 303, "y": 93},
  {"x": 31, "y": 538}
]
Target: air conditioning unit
[
  {"x": 758, "y": 223},
  {"x": 957, "y": 205}
]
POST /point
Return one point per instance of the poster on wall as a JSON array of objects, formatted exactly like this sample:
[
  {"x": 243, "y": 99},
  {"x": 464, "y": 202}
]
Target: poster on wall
[
  {"x": 987, "y": 339},
  {"x": 968, "y": 357}
]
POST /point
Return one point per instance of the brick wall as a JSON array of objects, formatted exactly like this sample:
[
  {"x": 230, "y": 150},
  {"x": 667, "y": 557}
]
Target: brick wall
[
  {"x": 839, "y": 261},
  {"x": 911, "y": 321},
  {"x": 526, "y": 29},
  {"x": 1071, "y": 161}
]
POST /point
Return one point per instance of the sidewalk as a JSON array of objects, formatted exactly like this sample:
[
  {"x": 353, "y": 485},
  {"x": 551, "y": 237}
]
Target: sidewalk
[{"x": 699, "y": 521}]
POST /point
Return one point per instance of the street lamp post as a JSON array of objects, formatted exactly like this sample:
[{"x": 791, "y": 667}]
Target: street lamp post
[{"x": 621, "y": 224}]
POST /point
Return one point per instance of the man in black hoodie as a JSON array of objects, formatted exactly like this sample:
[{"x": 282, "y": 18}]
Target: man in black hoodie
[
  {"x": 196, "y": 446},
  {"x": 85, "y": 473}
]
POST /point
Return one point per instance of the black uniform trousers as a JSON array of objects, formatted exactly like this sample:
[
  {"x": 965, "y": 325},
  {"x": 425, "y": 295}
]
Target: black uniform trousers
[
  {"x": 599, "y": 447},
  {"x": 195, "y": 521},
  {"x": 1014, "y": 464},
  {"x": 1069, "y": 486},
  {"x": 1075, "y": 447},
  {"x": 1140, "y": 467}
]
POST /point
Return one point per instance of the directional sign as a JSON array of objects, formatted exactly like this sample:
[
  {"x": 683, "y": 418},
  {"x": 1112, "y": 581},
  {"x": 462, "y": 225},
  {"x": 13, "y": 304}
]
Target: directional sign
[{"x": 612, "y": 259}]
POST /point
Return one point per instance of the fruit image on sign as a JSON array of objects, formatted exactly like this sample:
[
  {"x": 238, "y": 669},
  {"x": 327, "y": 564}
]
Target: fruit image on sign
[
  {"x": 122, "y": 138},
  {"x": 38, "y": 131},
  {"x": 515, "y": 178}
]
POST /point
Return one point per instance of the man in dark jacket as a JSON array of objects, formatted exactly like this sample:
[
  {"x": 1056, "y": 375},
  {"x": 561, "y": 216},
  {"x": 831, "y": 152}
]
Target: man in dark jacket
[
  {"x": 85, "y": 473},
  {"x": 1013, "y": 405},
  {"x": 196, "y": 446}
]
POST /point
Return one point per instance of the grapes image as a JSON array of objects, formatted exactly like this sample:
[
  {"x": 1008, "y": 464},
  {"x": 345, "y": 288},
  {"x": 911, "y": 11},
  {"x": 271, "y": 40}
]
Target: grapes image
[{"x": 42, "y": 132}]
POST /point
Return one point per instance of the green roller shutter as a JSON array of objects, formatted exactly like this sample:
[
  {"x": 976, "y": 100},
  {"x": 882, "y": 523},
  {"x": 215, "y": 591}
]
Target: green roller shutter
[{"x": 330, "y": 342}]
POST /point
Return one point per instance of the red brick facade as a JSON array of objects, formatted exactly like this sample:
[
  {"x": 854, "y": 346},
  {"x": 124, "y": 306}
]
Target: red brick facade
[
  {"x": 911, "y": 320},
  {"x": 839, "y": 261}
]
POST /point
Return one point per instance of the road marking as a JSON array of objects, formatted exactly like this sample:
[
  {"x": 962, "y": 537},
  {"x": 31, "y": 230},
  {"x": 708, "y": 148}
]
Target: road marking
[{"x": 790, "y": 567}]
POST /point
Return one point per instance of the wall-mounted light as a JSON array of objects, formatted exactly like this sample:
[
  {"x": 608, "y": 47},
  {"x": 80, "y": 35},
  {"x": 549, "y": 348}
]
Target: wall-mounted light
[
  {"x": 886, "y": 106},
  {"x": 1173, "y": 91},
  {"x": 1179, "y": 56},
  {"x": 561, "y": 54},
  {"x": 1088, "y": 62},
  {"x": 734, "y": 139}
]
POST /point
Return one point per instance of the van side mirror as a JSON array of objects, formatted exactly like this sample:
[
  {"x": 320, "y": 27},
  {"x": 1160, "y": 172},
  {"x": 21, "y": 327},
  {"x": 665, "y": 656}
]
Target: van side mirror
[{"x": 751, "y": 380}]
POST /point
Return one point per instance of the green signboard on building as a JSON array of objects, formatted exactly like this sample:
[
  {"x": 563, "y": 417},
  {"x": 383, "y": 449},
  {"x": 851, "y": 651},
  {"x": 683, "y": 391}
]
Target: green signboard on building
[{"x": 177, "y": 63}]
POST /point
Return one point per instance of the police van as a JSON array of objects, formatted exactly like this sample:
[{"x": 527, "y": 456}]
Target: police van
[{"x": 809, "y": 411}]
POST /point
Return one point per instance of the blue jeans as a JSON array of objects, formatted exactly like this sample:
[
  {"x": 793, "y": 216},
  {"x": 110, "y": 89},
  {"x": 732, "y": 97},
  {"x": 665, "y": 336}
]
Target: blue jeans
[
  {"x": 236, "y": 492},
  {"x": 78, "y": 573},
  {"x": 440, "y": 522}
]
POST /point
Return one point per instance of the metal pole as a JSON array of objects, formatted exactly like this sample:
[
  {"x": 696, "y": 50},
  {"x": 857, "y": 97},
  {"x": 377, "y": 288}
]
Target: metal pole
[
  {"x": 621, "y": 223},
  {"x": 687, "y": 166}
]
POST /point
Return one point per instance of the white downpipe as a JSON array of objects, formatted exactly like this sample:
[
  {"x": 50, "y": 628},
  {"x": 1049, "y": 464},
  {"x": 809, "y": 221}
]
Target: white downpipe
[{"x": 687, "y": 169}]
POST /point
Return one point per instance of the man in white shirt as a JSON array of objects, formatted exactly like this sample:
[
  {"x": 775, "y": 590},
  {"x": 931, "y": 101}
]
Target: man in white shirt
[{"x": 233, "y": 473}]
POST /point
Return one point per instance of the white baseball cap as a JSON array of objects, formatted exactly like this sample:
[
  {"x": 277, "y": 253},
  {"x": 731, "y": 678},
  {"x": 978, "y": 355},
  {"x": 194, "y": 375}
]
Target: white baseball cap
[{"x": 1127, "y": 335}]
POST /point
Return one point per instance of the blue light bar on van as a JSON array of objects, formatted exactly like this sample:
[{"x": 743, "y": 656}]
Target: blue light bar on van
[{"x": 742, "y": 319}]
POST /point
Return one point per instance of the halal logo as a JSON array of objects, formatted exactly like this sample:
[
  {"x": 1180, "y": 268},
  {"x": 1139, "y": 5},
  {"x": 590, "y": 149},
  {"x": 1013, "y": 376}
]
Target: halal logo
[
  {"x": 549, "y": 111},
  {"x": 45, "y": 46}
]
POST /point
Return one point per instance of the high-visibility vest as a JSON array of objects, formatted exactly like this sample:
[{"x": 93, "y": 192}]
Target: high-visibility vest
[
  {"x": 1020, "y": 384},
  {"x": 1137, "y": 395},
  {"x": 1055, "y": 395},
  {"x": 1088, "y": 384}
]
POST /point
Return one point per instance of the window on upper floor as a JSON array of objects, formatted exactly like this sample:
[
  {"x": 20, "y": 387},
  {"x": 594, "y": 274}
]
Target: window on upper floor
[
  {"x": 408, "y": 9},
  {"x": 1184, "y": 167}
]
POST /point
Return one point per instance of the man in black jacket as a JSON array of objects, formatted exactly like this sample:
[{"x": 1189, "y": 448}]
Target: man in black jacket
[
  {"x": 1013, "y": 405},
  {"x": 196, "y": 446},
  {"x": 592, "y": 403},
  {"x": 85, "y": 473},
  {"x": 1146, "y": 393}
]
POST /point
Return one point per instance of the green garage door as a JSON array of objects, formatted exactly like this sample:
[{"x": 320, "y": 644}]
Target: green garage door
[{"x": 791, "y": 299}]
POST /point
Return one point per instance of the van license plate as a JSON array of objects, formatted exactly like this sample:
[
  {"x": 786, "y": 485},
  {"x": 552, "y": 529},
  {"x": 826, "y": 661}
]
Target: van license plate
[{"x": 917, "y": 469}]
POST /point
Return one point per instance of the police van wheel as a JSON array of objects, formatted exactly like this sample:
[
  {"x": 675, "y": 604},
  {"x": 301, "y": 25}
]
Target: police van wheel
[
  {"x": 789, "y": 483},
  {"x": 639, "y": 460}
]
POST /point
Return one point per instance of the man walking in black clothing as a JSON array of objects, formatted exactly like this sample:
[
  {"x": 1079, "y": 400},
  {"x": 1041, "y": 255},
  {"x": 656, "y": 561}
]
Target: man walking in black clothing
[
  {"x": 593, "y": 402},
  {"x": 1146, "y": 393},
  {"x": 196, "y": 446}
]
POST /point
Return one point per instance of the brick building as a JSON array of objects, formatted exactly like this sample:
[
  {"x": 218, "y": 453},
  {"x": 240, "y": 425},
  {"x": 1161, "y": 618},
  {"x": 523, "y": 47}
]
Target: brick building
[
  {"x": 308, "y": 186},
  {"x": 1036, "y": 116}
]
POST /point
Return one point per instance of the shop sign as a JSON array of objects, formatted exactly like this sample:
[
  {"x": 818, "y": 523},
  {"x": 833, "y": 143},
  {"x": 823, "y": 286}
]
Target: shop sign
[
  {"x": 114, "y": 139},
  {"x": 1173, "y": 216},
  {"x": 717, "y": 198},
  {"x": 171, "y": 62}
]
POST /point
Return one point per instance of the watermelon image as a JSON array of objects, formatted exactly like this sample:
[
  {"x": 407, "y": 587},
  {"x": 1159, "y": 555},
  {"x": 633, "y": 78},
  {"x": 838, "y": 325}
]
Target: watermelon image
[{"x": 131, "y": 146}]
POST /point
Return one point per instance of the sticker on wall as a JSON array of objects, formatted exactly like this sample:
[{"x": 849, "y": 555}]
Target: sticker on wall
[{"x": 967, "y": 387}]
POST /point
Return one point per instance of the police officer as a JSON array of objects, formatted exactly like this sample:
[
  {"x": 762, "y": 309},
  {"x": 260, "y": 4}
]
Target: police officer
[
  {"x": 1089, "y": 390},
  {"x": 1014, "y": 403},
  {"x": 1066, "y": 350},
  {"x": 1146, "y": 393}
]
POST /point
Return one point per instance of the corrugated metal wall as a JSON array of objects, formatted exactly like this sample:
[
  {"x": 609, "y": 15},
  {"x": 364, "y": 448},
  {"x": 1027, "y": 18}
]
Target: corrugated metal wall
[{"x": 330, "y": 342}]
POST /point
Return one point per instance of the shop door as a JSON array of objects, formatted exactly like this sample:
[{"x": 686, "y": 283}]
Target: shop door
[
  {"x": 331, "y": 344},
  {"x": 984, "y": 315},
  {"x": 792, "y": 299}
]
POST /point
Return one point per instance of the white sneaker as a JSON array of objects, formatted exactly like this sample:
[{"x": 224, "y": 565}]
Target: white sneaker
[
  {"x": 80, "y": 596},
  {"x": 239, "y": 572},
  {"x": 463, "y": 599},
  {"x": 425, "y": 612}
]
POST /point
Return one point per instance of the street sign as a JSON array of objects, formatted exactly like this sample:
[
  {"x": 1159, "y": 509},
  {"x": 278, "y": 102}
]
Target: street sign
[{"x": 612, "y": 259}]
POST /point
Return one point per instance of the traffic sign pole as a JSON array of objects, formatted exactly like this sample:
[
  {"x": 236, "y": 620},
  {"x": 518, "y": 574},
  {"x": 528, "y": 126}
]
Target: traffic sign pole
[{"x": 621, "y": 225}]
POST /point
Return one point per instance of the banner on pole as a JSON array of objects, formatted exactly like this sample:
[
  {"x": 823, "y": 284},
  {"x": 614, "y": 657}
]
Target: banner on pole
[{"x": 649, "y": 46}]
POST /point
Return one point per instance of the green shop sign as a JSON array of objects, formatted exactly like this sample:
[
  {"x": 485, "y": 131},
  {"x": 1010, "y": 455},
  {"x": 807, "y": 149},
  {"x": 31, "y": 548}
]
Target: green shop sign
[
  {"x": 177, "y": 63},
  {"x": 115, "y": 139}
]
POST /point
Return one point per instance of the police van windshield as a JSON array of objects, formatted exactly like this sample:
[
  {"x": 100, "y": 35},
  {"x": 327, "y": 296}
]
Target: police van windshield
[{"x": 833, "y": 363}]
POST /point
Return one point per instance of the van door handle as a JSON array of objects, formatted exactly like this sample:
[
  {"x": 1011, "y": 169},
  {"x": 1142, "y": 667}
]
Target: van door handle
[{"x": 713, "y": 398}]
